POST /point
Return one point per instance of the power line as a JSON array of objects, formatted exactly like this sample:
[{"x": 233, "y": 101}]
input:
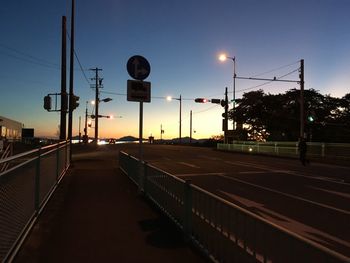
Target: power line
[
  {"x": 268, "y": 82},
  {"x": 81, "y": 67},
  {"x": 31, "y": 61},
  {"x": 35, "y": 59},
  {"x": 272, "y": 70},
  {"x": 208, "y": 109}
]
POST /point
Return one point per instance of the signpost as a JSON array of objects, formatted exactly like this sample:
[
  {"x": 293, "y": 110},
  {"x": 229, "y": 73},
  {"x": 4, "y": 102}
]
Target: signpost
[{"x": 139, "y": 91}]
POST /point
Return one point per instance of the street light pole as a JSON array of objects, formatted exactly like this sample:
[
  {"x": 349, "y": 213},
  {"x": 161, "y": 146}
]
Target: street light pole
[
  {"x": 180, "y": 120},
  {"x": 223, "y": 57},
  {"x": 86, "y": 116},
  {"x": 234, "y": 90}
]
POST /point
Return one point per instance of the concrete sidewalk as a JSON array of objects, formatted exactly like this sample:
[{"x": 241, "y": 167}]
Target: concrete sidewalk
[{"x": 96, "y": 215}]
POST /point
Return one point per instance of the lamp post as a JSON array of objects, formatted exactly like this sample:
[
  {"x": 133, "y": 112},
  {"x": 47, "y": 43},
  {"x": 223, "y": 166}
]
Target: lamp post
[
  {"x": 96, "y": 103},
  {"x": 169, "y": 98},
  {"x": 223, "y": 57}
]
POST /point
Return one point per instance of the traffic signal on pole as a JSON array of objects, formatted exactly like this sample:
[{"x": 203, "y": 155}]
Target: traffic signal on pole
[
  {"x": 216, "y": 101},
  {"x": 47, "y": 103},
  {"x": 200, "y": 100},
  {"x": 223, "y": 103},
  {"x": 75, "y": 102}
]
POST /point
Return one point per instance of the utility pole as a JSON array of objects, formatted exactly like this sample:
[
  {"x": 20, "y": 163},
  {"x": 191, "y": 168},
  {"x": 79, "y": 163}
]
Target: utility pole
[
  {"x": 85, "y": 129},
  {"x": 180, "y": 120},
  {"x": 225, "y": 120},
  {"x": 63, "y": 120},
  {"x": 97, "y": 100},
  {"x": 71, "y": 75},
  {"x": 190, "y": 126},
  {"x": 302, "y": 115},
  {"x": 79, "y": 128},
  {"x": 161, "y": 132}
]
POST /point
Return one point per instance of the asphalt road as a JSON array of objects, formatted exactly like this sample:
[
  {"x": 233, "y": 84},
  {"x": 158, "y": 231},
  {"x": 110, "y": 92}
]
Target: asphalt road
[{"x": 312, "y": 200}]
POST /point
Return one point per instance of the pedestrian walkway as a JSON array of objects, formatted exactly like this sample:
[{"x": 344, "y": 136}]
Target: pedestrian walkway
[{"x": 96, "y": 215}]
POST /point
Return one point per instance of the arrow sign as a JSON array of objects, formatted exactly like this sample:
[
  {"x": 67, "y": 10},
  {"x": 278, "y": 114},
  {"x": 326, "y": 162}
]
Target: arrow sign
[{"x": 138, "y": 67}]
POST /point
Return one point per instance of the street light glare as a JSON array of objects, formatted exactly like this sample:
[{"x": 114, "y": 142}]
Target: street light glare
[
  {"x": 169, "y": 98},
  {"x": 222, "y": 57},
  {"x": 93, "y": 102}
]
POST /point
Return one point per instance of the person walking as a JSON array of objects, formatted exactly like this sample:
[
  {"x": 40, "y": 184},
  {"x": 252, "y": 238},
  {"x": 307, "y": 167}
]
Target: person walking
[{"x": 302, "y": 147}]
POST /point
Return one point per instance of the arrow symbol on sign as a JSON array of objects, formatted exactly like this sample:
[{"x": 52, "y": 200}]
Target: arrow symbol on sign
[
  {"x": 138, "y": 71},
  {"x": 136, "y": 63}
]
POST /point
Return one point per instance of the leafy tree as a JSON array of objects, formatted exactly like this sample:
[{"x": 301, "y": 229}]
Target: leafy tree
[{"x": 277, "y": 117}]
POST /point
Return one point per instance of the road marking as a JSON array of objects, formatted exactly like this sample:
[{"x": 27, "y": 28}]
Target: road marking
[
  {"x": 197, "y": 174},
  {"x": 289, "y": 172},
  {"x": 288, "y": 195},
  {"x": 189, "y": 165},
  {"x": 330, "y": 191},
  {"x": 253, "y": 172},
  {"x": 296, "y": 226}
]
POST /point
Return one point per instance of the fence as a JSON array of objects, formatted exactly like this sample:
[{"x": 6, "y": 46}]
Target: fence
[
  {"x": 25, "y": 187},
  {"x": 329, "y": 151},
  {"x": 222, "y": 230}
]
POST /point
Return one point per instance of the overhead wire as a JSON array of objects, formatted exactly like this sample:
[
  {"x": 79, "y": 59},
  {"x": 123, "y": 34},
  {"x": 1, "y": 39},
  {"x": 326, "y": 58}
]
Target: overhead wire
[
  {"x": 81, "y": 67},
  {"x": 268, "y": 82},
  {"x": 28, "y": 58},
  {"x": 272, "y": 70}
]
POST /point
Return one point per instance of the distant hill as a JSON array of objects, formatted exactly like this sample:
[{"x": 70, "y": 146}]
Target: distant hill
[{"x": 127, "y": 139}]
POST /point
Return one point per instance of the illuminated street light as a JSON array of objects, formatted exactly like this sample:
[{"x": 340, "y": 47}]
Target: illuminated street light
[
  {"x": 169, "y": 98},
  {"x": 223, "y": 57}
]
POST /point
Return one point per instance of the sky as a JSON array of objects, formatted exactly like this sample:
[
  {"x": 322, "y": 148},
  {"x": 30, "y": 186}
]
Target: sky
[{"x": 182, "y": 41}]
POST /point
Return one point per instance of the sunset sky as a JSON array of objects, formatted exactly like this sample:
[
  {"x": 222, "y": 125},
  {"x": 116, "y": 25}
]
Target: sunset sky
[{"x": 181, "y": 40}]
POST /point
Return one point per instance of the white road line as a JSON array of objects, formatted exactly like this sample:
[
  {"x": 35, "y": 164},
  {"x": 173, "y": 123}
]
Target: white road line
[
  {"x": 289, "y": 172},
  {"x": 197, "y": 174},
  {"x": 253, "y": 172},
  {"x": 288, "y": 195},
  {"x": 189, "y": 164},
  {"x": 330, "y": 191},
  {"x": 296, "y": 226}
]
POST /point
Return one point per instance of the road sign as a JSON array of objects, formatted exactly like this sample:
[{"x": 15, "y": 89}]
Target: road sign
[
  {"x": 139, "y": 91},
  {"x": 138, "y": 67}
]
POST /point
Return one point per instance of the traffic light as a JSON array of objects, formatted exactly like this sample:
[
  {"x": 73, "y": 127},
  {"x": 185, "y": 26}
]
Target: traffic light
[
  {"x": 47, "y": 103},
  {"x": 201, "y": 100},
  {"x": 310, "y": 118},
  {"x": 216, "y": 101},
  {"x": 223, "y": 103},
  {"x": 75, "y": 102}
]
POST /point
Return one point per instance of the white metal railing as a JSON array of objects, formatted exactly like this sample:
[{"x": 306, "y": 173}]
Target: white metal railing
[
  {"x": 222, "y": 230},
  {"x": 336, "y": 151},
  {"x": 25, "y": 188}
]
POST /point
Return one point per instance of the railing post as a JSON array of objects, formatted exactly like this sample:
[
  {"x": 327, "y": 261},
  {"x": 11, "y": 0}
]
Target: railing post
[
  {"x": 57, "y": 161},
  {"x": 37, "y": 183},
  {"x": 188, "y": 210},
  {"x": 145, "y": 178},
  {"x": 140, "y": 178},
  {"x": 323, "y": 150}
]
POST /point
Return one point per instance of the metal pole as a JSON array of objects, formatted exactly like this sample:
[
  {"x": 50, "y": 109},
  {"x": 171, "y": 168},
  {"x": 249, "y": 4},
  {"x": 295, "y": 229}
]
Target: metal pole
[
  {"x": 96, "y": 107},
  {"x": 71, "y": 75},
  {"x": 140, "y": 131},
  {"x": 191, "y": 126},
  {"x": 63, "y": 120},
  {"x": 79, "y": 128},
  {"x": 86, "y": 115},
  {"x": 180, "y": 120},
  {"x": 302, "y": 115},
  {"x": 234, "y": 90},
  {"x": 161, "y": 133}
]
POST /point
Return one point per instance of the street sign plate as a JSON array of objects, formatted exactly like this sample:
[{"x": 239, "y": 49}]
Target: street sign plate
[
  {"x": 138, "y": 67},
  {"x": 139, "y": 91}
]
